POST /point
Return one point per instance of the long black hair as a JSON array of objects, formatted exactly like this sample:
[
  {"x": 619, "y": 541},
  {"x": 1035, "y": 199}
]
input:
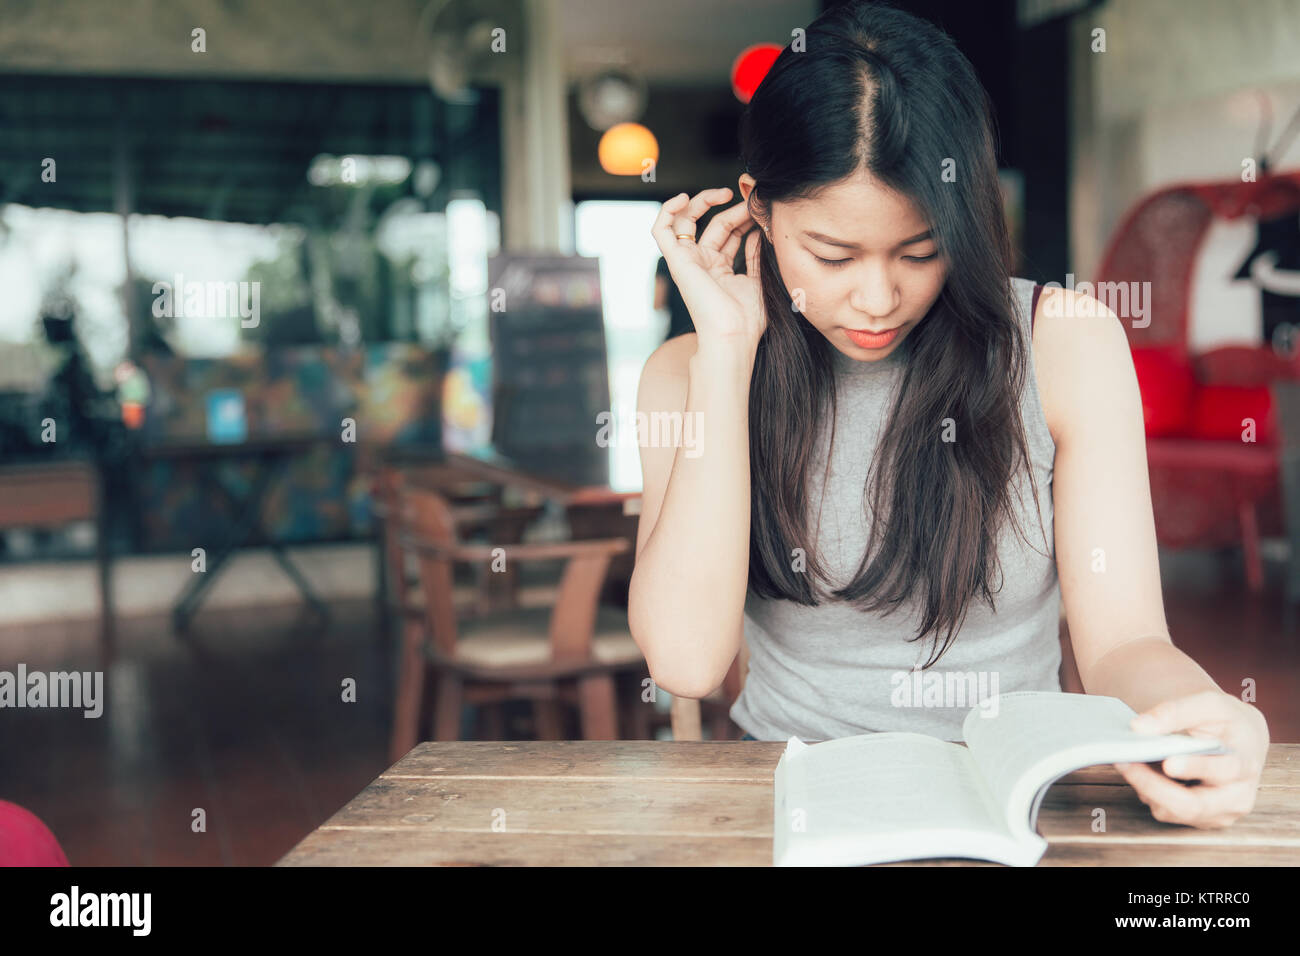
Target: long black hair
[{"x": 874, "y": 89}]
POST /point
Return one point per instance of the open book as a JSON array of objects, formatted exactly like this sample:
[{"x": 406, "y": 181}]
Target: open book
[{"x": 874, "y": 798}]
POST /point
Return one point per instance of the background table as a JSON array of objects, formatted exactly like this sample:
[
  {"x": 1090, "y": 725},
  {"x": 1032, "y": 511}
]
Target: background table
[
  {"x": 270, "y": 457},
  {"x": 643, "y": 802}
]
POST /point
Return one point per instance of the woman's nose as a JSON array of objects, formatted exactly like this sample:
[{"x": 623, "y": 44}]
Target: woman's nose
[{"x": 876, "y": 297}]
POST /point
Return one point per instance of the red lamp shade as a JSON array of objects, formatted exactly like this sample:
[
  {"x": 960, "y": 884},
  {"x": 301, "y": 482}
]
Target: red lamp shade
[
  {"x": 1168, "y": 387},
  {"x": 750, "y": 67}
]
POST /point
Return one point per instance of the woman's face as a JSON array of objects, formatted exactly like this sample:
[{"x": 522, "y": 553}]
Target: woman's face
[{"x": 862, "y": 259}]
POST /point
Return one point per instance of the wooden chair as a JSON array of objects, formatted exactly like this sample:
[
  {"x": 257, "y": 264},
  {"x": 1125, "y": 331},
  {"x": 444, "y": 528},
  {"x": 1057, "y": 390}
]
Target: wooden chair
[
  {"x": 478, "y": 513},
  {"x": 686, "y": 711},
  {"x": 568, "y": 653},
  {"x": 475, "y": 507}
]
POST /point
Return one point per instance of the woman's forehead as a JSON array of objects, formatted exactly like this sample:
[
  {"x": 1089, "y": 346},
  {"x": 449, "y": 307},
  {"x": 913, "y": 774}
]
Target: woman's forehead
[{"x": 858, "y": 211}]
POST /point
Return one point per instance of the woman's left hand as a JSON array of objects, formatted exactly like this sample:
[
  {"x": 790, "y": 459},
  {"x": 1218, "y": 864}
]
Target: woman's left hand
[{"x": 1229, "y": 781}]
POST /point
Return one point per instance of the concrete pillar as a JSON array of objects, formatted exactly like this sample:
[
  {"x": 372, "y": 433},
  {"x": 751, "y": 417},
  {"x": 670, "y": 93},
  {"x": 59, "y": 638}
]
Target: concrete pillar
[{"x": 536, "y": 190}]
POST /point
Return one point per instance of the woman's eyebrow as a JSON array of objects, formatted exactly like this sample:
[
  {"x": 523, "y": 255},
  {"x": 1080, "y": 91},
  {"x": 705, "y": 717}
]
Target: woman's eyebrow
[{"x": 920, "y": 237}]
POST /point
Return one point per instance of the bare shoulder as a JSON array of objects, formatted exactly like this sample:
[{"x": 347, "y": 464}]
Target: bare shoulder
[
  {"x": 1081, "y": 353},
  {"x": 666, "y": 374}
]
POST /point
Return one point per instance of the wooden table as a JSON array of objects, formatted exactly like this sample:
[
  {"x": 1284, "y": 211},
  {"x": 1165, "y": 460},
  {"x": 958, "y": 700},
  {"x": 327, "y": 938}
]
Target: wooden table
[
  {"x": 648, "y": 802},
  {"x": 271, "y": 457}
]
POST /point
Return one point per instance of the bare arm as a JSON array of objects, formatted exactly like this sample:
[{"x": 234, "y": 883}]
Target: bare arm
[
  {"x": 687, "y": 597},
  {"x": 1110, "y": 574},
  {"x": 1105, "y": 533},
  {"x": 686, "y": 603}
]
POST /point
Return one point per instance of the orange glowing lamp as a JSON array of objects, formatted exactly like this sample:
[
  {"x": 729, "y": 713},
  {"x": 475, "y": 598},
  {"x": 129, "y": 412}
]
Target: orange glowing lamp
[{"x": 628, "y": 149}]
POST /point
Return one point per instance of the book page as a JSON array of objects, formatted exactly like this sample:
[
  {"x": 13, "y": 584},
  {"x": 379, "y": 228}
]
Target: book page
[
  {"x": 875, "y": 786},
  {"x": 1031, "y": 737}
]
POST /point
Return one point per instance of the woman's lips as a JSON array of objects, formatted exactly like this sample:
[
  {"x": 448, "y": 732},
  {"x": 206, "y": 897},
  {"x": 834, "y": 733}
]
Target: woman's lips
[{"x": 870, "y": 340}]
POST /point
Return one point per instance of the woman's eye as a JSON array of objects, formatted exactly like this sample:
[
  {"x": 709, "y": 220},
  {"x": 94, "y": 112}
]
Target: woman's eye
[{"x": 837, "y": 263}]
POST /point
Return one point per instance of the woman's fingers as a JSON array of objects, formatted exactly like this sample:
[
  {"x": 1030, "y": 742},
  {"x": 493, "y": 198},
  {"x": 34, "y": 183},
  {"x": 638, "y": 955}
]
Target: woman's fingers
[
  {"x": 662, "y": 230},
  {"x": 726, "y": 229},
  {"x": 1169, "y": 802},
  {"x": 1208, "y": 768},
  {"x": 751, "y": 252},
  {"x": 1181, "y": 714},
  {"x": 1172, "y": 802},
  {"x": 704, "y": 274},
  {"x": 682, "y": 256},
  {"x": 686, "y": 221}
]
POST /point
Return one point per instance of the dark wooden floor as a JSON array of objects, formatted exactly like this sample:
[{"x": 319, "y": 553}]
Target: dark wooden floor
[{"x": 245, "y": 720}]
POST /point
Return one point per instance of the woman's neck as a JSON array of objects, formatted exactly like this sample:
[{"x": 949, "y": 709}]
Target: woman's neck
[{"x": 855, "y": 368}]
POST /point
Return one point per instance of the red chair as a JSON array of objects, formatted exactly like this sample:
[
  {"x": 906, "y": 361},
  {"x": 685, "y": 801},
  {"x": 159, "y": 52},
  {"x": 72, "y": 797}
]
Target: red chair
[
  {"x": 25, "y": 840},
  {"x": 1214, "y": 480}
]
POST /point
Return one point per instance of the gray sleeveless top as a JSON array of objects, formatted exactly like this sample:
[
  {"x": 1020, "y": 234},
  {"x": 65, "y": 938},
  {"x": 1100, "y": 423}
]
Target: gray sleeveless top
[{"x": 833, "y": 671}]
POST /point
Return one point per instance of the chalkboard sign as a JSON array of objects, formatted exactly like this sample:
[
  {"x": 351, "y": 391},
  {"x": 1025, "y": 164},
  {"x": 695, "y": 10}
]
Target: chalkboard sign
[{"x": 550, "y": 374}]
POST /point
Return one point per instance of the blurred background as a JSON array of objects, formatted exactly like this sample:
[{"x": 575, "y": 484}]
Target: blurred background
[{"x": 312, "y": 310}]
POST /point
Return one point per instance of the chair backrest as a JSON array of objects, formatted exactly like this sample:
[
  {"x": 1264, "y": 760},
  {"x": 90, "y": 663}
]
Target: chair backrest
[
  {"x": 425, "y": 516},
  {"x": 431, "y": 530},
  {"x": 573, "y": 620},
  {"x": 1243, "y": 365},
  {"x": 1161, "y": 241},
  {"x": 389, "y": 487},
  {"x": 386, "y": 491}
]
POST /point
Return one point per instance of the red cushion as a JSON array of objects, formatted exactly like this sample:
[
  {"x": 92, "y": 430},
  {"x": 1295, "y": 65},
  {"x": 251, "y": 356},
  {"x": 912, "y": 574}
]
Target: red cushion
[
  {"x": 1218, "y": 411},
  {"x": 25, "y": 840},
  {"x": 1168, "y": 385}
]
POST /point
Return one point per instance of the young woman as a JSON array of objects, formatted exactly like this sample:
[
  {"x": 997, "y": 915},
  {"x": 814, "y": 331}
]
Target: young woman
[{"x": 899, "y": 463}]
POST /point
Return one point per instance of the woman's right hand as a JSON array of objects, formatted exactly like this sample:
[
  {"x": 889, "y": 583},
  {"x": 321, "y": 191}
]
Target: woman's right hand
[{"x": 727, "y": 308}]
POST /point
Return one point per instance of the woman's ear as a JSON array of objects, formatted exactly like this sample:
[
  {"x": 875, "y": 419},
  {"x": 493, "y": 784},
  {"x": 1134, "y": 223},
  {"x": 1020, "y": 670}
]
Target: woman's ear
[{"x": 747, "y": 184}]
